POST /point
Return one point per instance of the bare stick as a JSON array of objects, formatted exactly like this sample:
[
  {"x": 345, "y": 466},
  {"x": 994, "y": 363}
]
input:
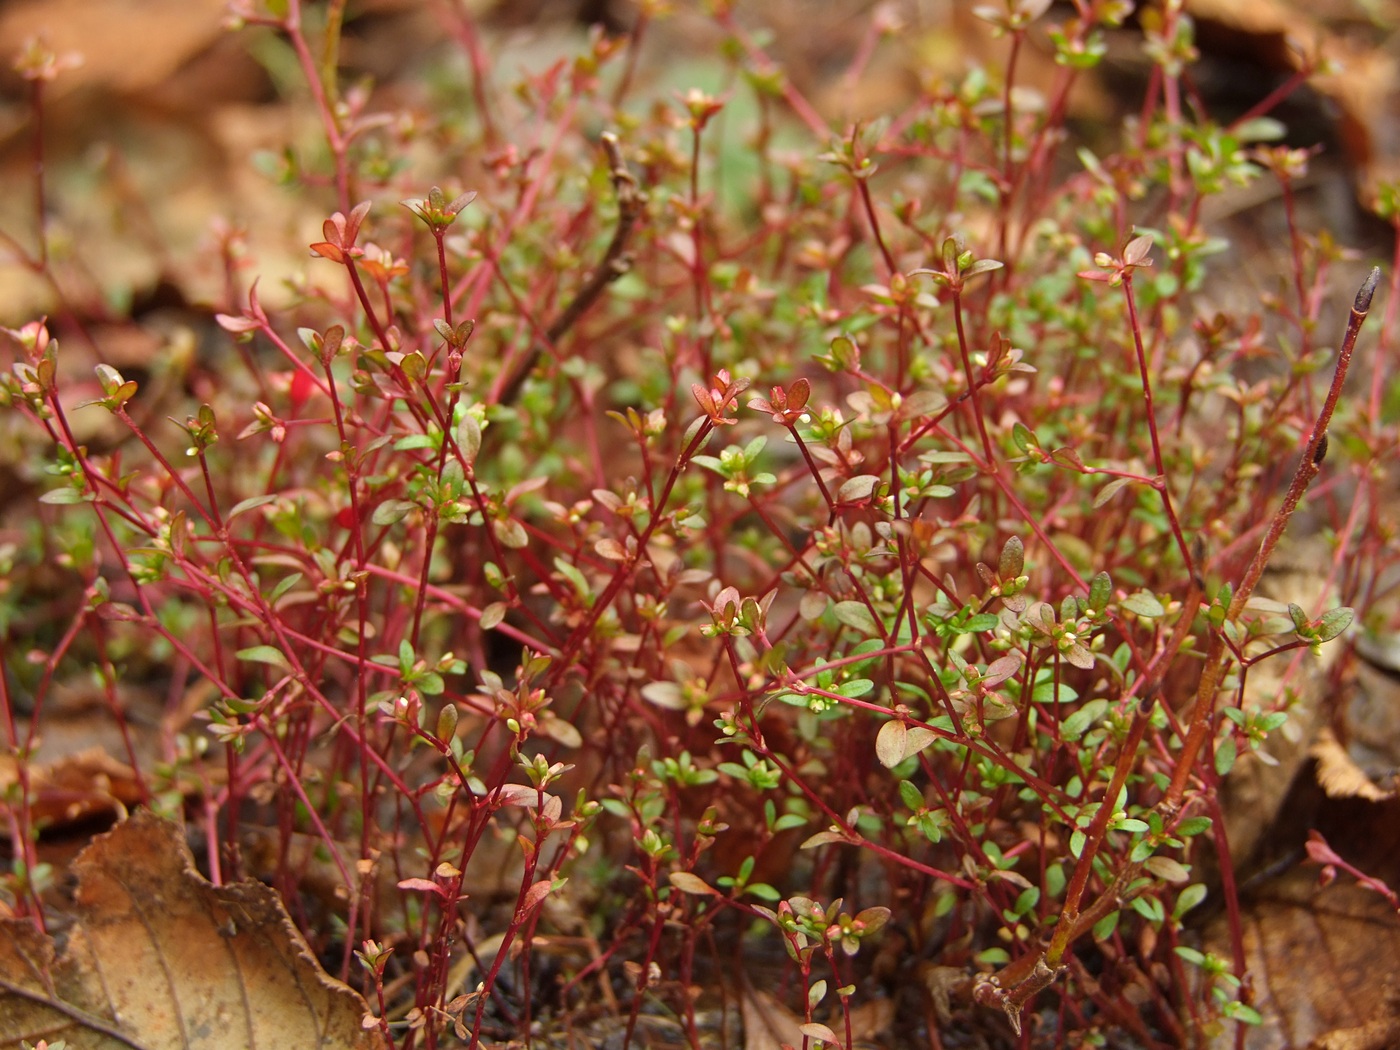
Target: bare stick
[{"x": 1308, "y": 467}]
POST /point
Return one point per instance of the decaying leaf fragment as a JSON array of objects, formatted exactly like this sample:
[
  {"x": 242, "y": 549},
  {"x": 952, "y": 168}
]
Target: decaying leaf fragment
[
  {"x": 161, "y": 959},
  {"x": 1339, "y": 775}
]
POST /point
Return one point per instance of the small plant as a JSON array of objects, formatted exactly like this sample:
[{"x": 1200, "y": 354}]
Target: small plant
[{"x": 611, "y": 563}]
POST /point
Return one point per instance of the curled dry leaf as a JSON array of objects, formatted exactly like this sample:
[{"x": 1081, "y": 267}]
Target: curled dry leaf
[
  {"x": 160, "y": 958},
  {"x": 1338, "y": 774},
  {"x": 75, "y": 787}
]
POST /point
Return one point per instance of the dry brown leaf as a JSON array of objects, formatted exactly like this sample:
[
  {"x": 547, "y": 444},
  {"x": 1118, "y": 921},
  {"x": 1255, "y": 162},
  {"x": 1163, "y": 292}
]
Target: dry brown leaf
[
  {"x": 1320, "y": 958},
  {"x": 871, "y": 1020},
  {"x": 768, "y": 1024},
  {"x": 89, "y": 783},
  {"x": 1373, "y": 711},
  {"x": 1283, "y": 32},
  {"x": 161, "y": 959},
  {"x": 126, "y": 47},
  {"x": 1338, "y": 775},
  {"x": 1380, "y": 1034}
]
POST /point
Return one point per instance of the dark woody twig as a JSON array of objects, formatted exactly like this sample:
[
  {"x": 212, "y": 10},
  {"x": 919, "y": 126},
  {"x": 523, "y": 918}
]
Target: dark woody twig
[
  {"x": 617, "y": 260},
  {"x": 1309, "y": 464}
]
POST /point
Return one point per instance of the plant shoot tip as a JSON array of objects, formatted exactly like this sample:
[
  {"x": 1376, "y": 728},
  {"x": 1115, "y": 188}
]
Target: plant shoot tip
[{"x": 1368, "y": 289}]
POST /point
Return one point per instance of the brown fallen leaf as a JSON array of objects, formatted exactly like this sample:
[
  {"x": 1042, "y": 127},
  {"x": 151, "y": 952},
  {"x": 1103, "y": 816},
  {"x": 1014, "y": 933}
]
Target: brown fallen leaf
[
  {"x": 1320, "y": 960},
  {"x": 871, "y": 1021},
  {"x": 1339, "y": 775},
  {"x": 768, "y": 1024},
  {"x": 128, "y": 47},
  {"x": 161, "y": 959},
  {"x": 1281, "y": 33},
  {"x": 1383, "y": 1033},
  {"x": 86, "y": 784}
]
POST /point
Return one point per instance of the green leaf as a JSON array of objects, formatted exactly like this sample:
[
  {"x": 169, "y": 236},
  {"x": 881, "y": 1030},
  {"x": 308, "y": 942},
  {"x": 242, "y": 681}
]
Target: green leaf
[
  {"x": 1188, "y": 898},
  {"x": 1045, "y": 692},
  {"x": 709, "y": 463},
  {"x": 392, "y": 511},
  {"x": 857, "y": 488},
  {"x": 844, "y": 353},
  {"x": 414, "y": 365},
  {"x": 574, "y": 576},
  {"x": 1296, "y": 613},
  {"x": 1013, "y": 558},
  {"x": 1243, "y": 1013},
  {"x": 265, "y": 654},
  {"x": 1334, "y": 623},
  {"x": 1144, "y": 604},
  {"x": 1260, "y": 129},
  {"x": 283, "y": 587},
  {"x": 469, "y": 438},
  {"x": 1137, "y": 250},
  {"x": 512, "y": 534},
  {"x": 1193, "y": 826},
  {"x": 1103, "y": 929},
  {"x": 248, "y": 504},
  {"x": 980, "y": 623},
  {"x": 897, "y": 740},
  {"x": 61, "y": 496},
  {"x": 1077, "y": 724},
  {"x": 1150, "y": 908},
  {"x": 1108, "y": 492},
  {"x": 1100, "y": 591},
  {"x": 688, "y": 882},
  {"x": 1225, "y": 756},
  {"x": 857, "y": 615},
  {"x": 981, "y": 266},
  {"x": 108, "y": 377},
  {"x": 1091, "y": 163}
]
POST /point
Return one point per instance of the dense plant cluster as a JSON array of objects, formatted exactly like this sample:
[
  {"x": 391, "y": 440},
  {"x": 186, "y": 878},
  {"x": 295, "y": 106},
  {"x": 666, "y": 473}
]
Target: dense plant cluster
[{"x": 738, "y": 530}]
